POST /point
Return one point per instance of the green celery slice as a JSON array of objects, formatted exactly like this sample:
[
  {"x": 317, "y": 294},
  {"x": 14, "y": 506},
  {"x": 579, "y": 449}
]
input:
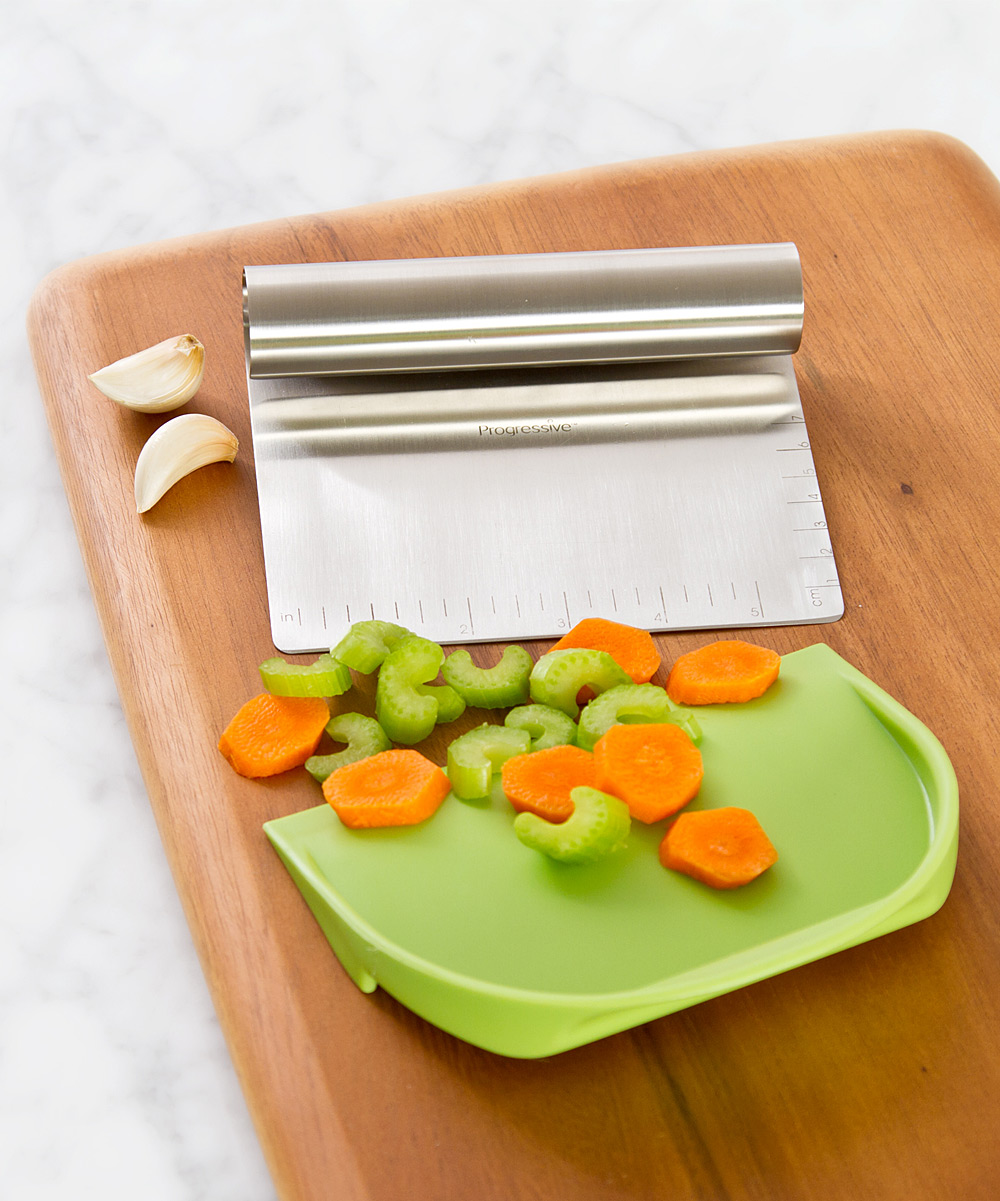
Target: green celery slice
[
  {"x": 598, "y": 826},
  {"x": 558, "y": 676},
  {"x": 363, "y": 735},
  {"x": 497, "y": 687},
  {"x": 450, "y": 705},
  {"x": 324, "y": 677},
  {"x": 406, "y": 714},
  {"x": 632, "y": 702},
  {"x": 366, "y": 644},
  {"x": 547, "y": 726},
  {"x": 473, "y": 757}
]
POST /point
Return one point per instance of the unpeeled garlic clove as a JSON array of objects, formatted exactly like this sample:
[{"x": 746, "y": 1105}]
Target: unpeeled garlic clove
[
  {"x": 157, "y": 379},
  {"x": 180, "y": 446}
]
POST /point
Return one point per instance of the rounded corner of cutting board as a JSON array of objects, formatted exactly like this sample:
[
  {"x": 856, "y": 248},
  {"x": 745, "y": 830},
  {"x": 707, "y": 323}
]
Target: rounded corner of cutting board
[{"x": 48, "y": 296}]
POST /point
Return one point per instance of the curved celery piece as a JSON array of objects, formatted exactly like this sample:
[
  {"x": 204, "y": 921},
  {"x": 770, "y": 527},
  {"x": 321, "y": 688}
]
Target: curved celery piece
[
  {"x": 686, "y": 720},
  {"x": 324, "y": 677},
  {"x": 406, "y": 714},
  {"x": 474, "y": 757},
  {"x": 598, "y": 826},
  {"x": 547, "y": 726},
  {"x": 366, "y": 644},
  {"x": 497, "y": 687},
  {"x": 450, "y": 704},
  {"x": 559, "y": 675},
  {"x": 363, "y": 735},
  {"x": 632, "y": 702}
]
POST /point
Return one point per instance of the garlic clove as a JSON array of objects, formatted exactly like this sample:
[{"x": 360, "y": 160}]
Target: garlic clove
[
  {"x": 157, "y": 379},
  {"x": 180, "y": 446}
]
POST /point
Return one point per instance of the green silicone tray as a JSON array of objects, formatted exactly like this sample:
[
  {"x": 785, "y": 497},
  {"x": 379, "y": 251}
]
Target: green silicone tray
[{"x": 526, "y": 957}]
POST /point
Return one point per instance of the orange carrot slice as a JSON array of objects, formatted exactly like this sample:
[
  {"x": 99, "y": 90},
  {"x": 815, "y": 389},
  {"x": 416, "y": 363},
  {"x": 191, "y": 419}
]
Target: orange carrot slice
[
  {"x": 392, "y": 788},
  {"x": 633, "y": 650},
  {"x": 540, "y": 781},
  {"x": 654, "y": 768},
  {"x": 272, "y": 734},
  {"x": 722, "y": 672},
  {"x": 723, "y": 848}
]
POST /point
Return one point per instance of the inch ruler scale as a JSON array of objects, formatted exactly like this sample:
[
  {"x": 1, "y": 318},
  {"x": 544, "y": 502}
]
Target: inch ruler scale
[{"x": 498, "y": 475}]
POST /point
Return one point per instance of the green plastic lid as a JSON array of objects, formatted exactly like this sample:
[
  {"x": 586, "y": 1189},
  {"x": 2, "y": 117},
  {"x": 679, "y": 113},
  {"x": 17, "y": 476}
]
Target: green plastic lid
[{"x": 523, "y": 956}]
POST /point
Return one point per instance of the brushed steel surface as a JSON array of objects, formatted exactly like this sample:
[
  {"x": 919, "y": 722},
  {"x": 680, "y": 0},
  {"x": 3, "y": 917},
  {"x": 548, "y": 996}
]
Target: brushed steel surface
[
  {"x": 723, "y": 527},
  {"x": 523, "y": 309},
  {"x": 498, "y": 410},
  {"x": 509, "y": 502}
]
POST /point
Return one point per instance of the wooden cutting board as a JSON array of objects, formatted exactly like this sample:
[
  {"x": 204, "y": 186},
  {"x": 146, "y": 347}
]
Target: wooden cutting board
[{"x": 875, "y": 1072}]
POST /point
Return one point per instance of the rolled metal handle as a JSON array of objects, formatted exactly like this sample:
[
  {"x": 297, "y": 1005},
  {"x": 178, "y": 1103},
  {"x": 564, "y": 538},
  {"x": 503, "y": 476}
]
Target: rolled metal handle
[{"x": 602, "y": 306}]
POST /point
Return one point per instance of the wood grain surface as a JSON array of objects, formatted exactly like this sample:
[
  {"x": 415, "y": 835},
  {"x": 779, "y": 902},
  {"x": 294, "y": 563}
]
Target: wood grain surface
[{"x": 872, "y": 1073}]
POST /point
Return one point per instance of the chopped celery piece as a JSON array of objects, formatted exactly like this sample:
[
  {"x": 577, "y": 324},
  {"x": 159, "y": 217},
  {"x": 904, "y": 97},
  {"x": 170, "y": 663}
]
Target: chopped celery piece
[
  {"x": 325, "y": 677},
  {"x": 474, "y": 756},
  {"x": 363, "y": 735},
  {"x": 686, "y": 720},
  {"x": 366, "y": 644},
  {"x": 547, "y": 726},
  {"x": 558, "y": 676},
  {"x": 495, "y": 687},
  {"x": 598, "y": 825},
  {"x": 406, "y": 714},
  {"x": 632, "y": 702},
  {"x": 450, "y": 704}
]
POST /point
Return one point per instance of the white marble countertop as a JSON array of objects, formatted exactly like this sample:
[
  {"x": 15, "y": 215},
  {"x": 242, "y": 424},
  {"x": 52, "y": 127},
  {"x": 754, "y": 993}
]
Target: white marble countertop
[{"x": 130, "y": 121}]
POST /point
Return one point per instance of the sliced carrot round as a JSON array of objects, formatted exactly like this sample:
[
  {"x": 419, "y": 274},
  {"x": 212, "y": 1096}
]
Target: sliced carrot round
[
  {"x": 725, "y": 671},
  {"x": 392, "y": 788},
  {"x": 632, "y": 649},
  {"x": 541, "y": 781},
  {"x": 272, "y": 734},
  {"x": 654, "y": 768},
  {"x": 724, "y": 848}
]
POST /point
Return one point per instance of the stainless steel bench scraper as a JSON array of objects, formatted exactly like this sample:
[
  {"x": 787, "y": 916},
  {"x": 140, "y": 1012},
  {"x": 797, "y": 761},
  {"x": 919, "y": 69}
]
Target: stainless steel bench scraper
[{"x": 492, "y": 448}]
